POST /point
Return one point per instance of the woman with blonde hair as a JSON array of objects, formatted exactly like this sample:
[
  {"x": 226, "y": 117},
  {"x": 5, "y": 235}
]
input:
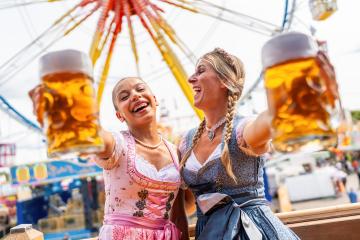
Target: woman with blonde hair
[{"x": 222, "y": 160}]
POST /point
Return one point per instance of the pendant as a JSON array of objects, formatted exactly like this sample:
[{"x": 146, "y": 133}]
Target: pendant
[{"x": 211, "y": 135}]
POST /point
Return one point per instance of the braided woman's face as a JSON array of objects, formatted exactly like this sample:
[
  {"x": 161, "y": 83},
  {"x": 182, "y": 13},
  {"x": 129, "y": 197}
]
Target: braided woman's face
[{"x": 207, "y": 87}]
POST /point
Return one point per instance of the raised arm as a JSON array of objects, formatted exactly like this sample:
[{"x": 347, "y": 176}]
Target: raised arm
[
  {"x": 107, "y": 159},
  {"x": 104, "y": 158},
  {"x": 257, "y": 133}
]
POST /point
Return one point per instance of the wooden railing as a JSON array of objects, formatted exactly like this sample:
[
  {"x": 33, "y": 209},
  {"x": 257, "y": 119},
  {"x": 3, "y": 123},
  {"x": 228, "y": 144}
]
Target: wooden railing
[
  {"x": 341, "y": 222},
  {"x": 328, "y": 223}
]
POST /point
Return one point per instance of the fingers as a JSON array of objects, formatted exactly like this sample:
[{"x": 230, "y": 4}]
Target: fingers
[
  {"x": 328, "y": 70},
  {"x": 36, "y": 96}
]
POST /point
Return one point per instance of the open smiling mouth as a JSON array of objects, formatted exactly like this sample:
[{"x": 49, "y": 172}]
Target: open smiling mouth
[
  {"x": 140, "y": 107},
  {"x": 197, "y": 90}
]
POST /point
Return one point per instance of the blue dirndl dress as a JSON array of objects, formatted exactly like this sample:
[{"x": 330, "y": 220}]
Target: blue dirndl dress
[{"x": 228, "y": 210}]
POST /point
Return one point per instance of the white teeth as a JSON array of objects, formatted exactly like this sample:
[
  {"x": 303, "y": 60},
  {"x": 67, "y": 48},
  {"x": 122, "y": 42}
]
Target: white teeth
[
  {"x": 140, "y": 106},
  {"x": 197, "y": 89}
]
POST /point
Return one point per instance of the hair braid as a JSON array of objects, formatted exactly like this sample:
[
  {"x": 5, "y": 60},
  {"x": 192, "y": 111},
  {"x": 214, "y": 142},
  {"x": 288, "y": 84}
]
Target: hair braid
[
  {"x": 225, "y": 158},
  {"x": 195, "y": 140}
]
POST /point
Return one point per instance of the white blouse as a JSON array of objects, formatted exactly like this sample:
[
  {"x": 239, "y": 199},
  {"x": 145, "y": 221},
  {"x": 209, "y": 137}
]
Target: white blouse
[
  {"x": 194, "y": 165},
  {"x": 168, "y": 173}
]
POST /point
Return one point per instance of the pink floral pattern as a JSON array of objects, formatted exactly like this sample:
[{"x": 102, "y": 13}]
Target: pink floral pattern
[
  {"x": 129, "y": 233},
  {"x": 129, "y": 193}
]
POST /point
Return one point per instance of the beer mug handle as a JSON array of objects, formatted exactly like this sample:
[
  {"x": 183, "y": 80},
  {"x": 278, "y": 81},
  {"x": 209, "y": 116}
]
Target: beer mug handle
[
  {"x": 331, "y": 83},
  {"x": 37, "y": 97},
  {"x": 329, "y": 71}
]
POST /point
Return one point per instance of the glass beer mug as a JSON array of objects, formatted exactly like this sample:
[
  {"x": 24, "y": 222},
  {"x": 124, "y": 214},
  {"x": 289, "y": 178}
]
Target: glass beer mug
[
  {"x": 302, "y": 93},
  {"x": 71, "y": 120}
]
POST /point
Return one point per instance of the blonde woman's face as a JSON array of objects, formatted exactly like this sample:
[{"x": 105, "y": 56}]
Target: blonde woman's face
[{"x": 207, "y": 87}]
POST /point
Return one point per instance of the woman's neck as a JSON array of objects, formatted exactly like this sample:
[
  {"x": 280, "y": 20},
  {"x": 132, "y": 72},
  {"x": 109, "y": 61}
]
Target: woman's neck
[
  {"x": 214, "y": 115},
  {"x": 148, "y": 133}
]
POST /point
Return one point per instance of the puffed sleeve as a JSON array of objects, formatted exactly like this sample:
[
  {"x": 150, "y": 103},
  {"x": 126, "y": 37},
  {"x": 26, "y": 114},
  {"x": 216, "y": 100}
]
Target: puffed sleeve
[
  {"x": 239, "y": 135},
  {"x": 181, "y": 152},
  {"x": 117, "y": 155},
  {"x": 182, "y": 145}
]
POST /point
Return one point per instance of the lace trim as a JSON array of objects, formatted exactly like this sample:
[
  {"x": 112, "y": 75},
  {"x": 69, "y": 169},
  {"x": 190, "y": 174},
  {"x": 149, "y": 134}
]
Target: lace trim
[{"x": 137, "y": 176}]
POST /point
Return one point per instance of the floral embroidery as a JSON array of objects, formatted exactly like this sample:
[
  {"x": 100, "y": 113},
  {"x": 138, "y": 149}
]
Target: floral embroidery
[
  {"x": 219, "y": 184},
  {"x": 140, "y": 204},
  {"x": 143, "y": 194},
  {"x": 171, "y": 196},
  {"x": 138, "y": 214},
  {"x": 168, "y": 205}
]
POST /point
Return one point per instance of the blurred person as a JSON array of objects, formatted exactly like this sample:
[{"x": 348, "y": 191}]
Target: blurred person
[{"x": 352, "y": 196}]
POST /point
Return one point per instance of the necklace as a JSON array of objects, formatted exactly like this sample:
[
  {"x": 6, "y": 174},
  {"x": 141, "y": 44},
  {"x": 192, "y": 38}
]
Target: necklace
[
  {"x": 149, "y": 146},
  {"x": 211, "y": 131}
]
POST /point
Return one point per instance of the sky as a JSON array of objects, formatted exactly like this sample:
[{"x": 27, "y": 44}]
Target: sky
[{"x": 201, "y": 34}]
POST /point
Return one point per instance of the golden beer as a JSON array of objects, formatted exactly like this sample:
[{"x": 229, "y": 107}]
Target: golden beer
[
  {"x": 71, "y": 114},
  {"x": 302, "y": 96}
]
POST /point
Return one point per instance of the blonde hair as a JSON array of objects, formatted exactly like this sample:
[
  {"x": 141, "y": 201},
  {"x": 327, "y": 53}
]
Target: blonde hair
[{"x": 230, "y": 71}]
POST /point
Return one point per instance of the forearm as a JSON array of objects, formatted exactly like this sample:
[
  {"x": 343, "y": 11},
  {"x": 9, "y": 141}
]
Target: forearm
[
  {"x": 109, "y": 145},
  {"x": 257, "y": 133}
]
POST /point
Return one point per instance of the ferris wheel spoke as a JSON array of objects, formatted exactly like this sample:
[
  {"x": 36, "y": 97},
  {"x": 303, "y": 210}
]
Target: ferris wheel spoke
[
  {"x": 172, "y": 62},
  {"x": 152, "y": 26},
  {"x": 99, "y": 39},
  {"x": 61, "y": 27},
  {"x": 230, "y": 16},
  {"x": 139, "y": 12},
  {"x": 176, "y": 69},
  {"x": 181, "y": 5},
  {"x": 170, "y": 32},
  {"x": 131, "y": 34},
  {"x": 114, "y": 30},
  {"x": 7, "y": 4},
  {"x": 158, "y": 22}
]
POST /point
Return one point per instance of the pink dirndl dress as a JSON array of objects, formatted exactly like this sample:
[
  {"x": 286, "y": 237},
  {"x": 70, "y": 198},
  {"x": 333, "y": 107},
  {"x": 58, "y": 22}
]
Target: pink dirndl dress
[{"x": 138, "y": 207}]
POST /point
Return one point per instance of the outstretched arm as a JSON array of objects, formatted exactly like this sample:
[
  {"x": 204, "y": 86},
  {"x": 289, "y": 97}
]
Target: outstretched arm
[
  {"x": 104, "y": 158},
  {"x": 257, "y": 133}
]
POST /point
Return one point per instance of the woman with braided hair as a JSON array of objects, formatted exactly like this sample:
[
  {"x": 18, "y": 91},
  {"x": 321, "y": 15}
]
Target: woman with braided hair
[{"x": 222, "y": 160}]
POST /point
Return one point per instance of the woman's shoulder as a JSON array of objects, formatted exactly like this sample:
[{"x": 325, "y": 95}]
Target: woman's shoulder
[
  {"x": 122, "y": 137},
  {"x": 122, "y": 141},
  {"x": 185, "y": 139},
  {"x": 240, "y": 121}
]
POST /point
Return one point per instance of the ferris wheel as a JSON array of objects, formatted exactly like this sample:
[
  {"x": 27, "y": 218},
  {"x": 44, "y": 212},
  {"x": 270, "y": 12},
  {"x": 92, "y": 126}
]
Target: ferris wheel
[
  {"x": 134, "y": 20},
  {"x": 119, "y": 16}
]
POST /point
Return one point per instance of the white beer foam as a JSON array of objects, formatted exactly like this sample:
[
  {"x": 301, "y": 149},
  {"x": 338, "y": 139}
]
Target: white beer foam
[
  {"x": 287, "y": 46},
  {"x": 65, "y": 61}
]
